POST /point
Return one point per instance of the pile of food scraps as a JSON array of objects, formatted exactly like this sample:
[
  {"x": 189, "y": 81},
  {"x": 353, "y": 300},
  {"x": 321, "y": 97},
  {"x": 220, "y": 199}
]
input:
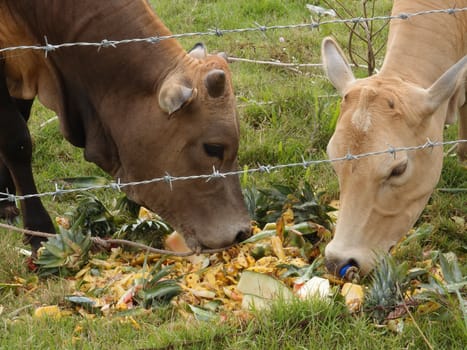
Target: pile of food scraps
[{"x": 281, "y": 260}]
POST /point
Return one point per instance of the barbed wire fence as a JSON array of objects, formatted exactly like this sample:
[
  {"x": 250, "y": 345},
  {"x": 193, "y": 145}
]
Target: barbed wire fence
[
  {"x": 105, "y": 43},
  {"x": 216, "y": 174}
]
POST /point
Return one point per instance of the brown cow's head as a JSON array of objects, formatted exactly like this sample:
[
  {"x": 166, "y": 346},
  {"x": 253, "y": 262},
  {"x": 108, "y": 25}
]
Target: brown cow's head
[
  {"x": 382, "y": 196},
  {"x": 191, "y": 127}
]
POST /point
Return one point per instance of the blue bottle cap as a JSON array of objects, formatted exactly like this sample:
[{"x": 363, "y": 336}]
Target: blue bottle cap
[{"x": 344, "y": 269}]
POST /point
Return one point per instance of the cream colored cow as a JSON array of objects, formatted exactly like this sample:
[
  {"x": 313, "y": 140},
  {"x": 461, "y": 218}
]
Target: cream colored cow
[{"x": 420, "y": 87}]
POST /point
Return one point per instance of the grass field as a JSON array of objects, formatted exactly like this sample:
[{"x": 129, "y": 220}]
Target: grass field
[{"x": 287, "y": 114}]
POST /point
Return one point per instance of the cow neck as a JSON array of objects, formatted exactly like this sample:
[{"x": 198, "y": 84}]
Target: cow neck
[
  {"x": 94, "y": 21},
  {"x": 421, "y": 49},
  {"x": 92, "y": 89}
]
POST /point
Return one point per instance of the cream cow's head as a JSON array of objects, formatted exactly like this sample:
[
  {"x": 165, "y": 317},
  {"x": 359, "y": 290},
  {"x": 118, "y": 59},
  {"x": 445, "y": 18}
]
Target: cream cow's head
[{"x": 382, "y": 196}]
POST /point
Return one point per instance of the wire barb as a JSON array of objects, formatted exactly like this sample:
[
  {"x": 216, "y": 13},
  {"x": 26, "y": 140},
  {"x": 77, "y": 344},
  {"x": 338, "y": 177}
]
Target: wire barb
[
  {"x": 217, "y": 32},
  {"x": 116, "y": 185},
  {"x": 106, "y": 43},
  {"x": 168, "y": 179},
  {"x": 153, "y": 39},
  {"x": 404, "y": 16},
  {"x": 215, "y": 174},
  {"x": 58, "y": 192},
  {"x": 392, "y": 151},
  {"x": 48, "y": 47}
]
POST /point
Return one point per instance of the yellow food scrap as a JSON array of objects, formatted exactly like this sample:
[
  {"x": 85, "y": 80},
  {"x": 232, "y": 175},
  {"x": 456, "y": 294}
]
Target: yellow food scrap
[
  {"x": 202, "y": 293},
  {"x": 121, "y": 307},
  {"x": 63, "y": 222},
  {"x": 146, "y": 214},
  {"x": 429, "y": 306},
  {"x": 353, "y": 294},
  {"x": 288, "y": 216},
  {"x": 133, "y": 322},
  {"x": 51, "y": 311},
  {"x": 277, "y": 247},
  {"x": 396, "y": 326},
  {"x": 192, "y": 280},
  {"x": 231, "y": 292},
  {"x": 241, "y": 261}
]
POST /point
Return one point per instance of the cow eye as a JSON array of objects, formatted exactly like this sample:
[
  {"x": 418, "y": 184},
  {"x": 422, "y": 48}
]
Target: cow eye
[
  {"x": 214, "y": 150},
  {"x": 398, "y": 170}
]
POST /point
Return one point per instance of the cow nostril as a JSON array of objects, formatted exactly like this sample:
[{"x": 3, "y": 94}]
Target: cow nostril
[
  {"x": 331, "y": 266},
  {"x": 242, "y": 235},
  {"x": 353, "y": 262}
]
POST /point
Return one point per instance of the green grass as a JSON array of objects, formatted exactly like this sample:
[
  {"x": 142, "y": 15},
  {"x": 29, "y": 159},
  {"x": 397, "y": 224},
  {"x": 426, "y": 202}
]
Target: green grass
[
  {"x": 285, "y": 116},
  {"x": 297, "y": 325}
]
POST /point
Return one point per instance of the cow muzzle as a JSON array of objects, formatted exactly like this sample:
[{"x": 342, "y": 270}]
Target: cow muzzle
[
  {"x": 217, "y": 241},
  {"x": 346, "y": 269},
  {"x": 347, "y": 262}
]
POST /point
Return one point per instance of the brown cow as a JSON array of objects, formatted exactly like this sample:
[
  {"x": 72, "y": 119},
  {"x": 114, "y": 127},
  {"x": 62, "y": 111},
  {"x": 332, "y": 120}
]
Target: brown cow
[
  {"x": 420, "y": 87},
  {"x": 138, "y": 110}
]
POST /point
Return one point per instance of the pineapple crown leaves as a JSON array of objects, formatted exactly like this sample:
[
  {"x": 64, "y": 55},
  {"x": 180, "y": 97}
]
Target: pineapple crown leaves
[
  {"x": 64, "y": 254},
  {"x": 126, "y": 206},
  {"x": 421, "y": 233},
  {"x": 206, "y": 313},
  {"x": 389, "y": 282},
  {"x": 267, "y": 205},
  {"x": 158, "y": 290},
  {"x": 453, "y": 282},
  {"x": 453, "y": 279},
  {"x": 452, "y": 272},
  {"x": 92, "y": 216},
  {"x": 160, "y": 294},
  {"x": 151, "y": 232},
  {"x": 145, "y": 225}
]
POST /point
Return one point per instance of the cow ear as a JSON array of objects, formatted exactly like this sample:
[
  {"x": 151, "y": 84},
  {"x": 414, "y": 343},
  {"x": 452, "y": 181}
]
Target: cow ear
[
  {"x": 198, "y": 51},
  {"x": 335, "y": 65},
  {"x": 173, "y": 96},
  {"x": 451, "y": 87},
  {"x": 215, "y": 82}
]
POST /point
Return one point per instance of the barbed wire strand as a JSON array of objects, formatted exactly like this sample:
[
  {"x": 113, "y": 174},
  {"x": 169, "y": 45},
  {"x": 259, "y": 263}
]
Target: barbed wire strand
[
  {"x": 106, "y": 243},
  {"x": 106, "y": 43},
  {"x": 216, "y": 174},
  {"x": 283, "y": 64}
]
